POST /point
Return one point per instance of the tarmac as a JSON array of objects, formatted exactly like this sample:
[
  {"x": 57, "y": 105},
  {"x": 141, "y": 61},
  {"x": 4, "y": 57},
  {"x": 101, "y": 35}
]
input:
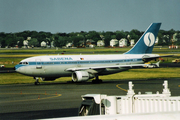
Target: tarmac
[{"x": 29, "y": 101}]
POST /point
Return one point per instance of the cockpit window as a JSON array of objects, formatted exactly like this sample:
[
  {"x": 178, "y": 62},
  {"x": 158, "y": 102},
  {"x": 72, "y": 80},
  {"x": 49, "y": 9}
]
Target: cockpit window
[{"x": 23, "y": 63}]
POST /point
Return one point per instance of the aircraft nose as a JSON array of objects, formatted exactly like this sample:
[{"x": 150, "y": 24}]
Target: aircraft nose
[{"x": 17, "y": 68}]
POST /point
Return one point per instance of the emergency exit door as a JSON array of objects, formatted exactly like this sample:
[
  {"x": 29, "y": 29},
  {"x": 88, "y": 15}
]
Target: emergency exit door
[{"x": 38, "y": 64}]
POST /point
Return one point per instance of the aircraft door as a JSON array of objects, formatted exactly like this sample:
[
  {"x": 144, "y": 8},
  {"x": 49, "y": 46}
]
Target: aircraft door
[
  {"x": 78, "y": 64},
  {"x": 128, "y": 60},
  {"x": 38, "y": 64}
]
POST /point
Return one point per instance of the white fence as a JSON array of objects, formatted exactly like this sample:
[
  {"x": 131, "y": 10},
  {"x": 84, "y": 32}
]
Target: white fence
[{"x": 135, "y": 103}]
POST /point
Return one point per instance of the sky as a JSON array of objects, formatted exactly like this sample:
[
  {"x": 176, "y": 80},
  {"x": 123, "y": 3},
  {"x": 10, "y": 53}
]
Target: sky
[{"x": 67, "y": 16}]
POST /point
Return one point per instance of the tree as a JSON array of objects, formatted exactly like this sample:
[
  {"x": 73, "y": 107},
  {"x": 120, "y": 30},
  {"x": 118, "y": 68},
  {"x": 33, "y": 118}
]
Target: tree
[
  {"x": 170, "y": 34},
  {"x": 94, "y": 36},
  {"x": 135, "y": 34},
  {"x": 20, "y": 41},
  {"x": 160, "y": 37},
  {"x": 59, "y": 41},
  {"x": 25, "y": 34},
  {"x": 11, "y": 40},
  {"x": 77, "y": 40},
  {"x": 1, "y": 42},
  {"x": 120, "y": 35},
  {"x": 178, "y": 38},
  {"x": 107, "y": 38},
  {"x": 34, "y": 34},
  {"x": 33, "y": 42},
  {"x": 113, "y": 37}
]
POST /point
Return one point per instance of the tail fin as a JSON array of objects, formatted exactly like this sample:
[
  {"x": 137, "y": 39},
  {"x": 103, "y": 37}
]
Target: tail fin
[{"x": 146, "y": 43}]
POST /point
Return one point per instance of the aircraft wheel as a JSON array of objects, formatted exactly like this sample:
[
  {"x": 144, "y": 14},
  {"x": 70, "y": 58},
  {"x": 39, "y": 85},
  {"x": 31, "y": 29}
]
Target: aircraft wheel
[
  {"x": 37, "y": 83},
  {"x": 96, "y": 81}
]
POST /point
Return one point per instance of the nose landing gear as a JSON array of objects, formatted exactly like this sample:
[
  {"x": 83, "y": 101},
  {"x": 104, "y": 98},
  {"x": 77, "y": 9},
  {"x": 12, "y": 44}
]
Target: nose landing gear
[{"x": 37, "y": 81}]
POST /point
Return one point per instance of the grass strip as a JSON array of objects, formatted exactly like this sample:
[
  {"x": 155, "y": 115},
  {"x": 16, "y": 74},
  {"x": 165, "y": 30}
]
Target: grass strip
[{"x": 132, "y": 74}]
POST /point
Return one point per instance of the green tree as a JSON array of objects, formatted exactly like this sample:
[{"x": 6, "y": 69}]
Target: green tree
[
  {"x": 107, "y": 38},
  {"x": 178, "y": 38},
  {"x": 77, "y": 40},
  {"x": 11, "y": 40},
  {"x": 34, "y": 34},
  {"x": 1, "y": 42},
  {"x": 120, "y": 35},
  {"x": 20, "y": 41},
  {"x": 135, "y": 34},
  {"x": 59, "y": 41},
  {"x": 160, "y": 37},
  {"x": 33, "y": 42},
  {"x": 113, "y": 37},
  {"x": 94, "y": 36}
]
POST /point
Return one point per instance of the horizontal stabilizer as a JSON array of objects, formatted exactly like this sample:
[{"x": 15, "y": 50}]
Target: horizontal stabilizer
[{"x": 148, "y": 58}]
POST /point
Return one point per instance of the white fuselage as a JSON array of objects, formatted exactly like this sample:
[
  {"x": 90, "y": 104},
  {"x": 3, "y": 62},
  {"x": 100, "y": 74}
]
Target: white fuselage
[{"x": 56, "y": 66}]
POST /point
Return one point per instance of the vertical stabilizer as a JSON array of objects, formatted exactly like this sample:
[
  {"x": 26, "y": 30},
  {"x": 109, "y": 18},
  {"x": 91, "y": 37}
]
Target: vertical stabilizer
[{"x": 146, "y": 42}]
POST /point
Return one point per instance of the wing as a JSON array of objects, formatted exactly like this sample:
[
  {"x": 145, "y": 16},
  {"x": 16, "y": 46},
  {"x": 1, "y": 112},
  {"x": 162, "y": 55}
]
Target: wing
[{"x": 93, "y": 69}]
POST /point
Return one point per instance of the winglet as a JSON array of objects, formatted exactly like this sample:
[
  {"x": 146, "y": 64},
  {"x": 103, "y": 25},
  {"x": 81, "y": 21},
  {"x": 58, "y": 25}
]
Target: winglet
[{"x": 146, "y": 42}]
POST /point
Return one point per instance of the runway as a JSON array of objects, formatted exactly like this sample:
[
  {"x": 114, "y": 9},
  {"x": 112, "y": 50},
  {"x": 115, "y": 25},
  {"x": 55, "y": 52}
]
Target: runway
[{"x": 27, "y": 101}]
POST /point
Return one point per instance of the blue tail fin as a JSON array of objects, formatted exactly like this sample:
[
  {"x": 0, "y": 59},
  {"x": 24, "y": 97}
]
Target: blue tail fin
[{"x": 146, "y": 43}]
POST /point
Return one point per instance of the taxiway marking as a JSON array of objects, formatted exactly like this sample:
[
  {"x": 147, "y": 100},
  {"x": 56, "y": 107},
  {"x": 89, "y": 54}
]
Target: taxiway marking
[
  {"x": 120, "y": 87},
  {"x": 38, "y": 98}
]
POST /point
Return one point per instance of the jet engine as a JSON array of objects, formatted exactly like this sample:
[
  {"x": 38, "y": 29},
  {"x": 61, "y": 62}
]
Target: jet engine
[{"x": 79, "y": 76}]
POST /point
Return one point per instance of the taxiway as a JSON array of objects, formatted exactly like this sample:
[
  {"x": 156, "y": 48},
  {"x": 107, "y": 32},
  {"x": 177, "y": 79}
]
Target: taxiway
[{"x": 27, "y": 101}]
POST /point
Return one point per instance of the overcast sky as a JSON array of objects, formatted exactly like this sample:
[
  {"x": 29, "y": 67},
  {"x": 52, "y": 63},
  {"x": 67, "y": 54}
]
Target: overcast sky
[{"x": 87, "y": 15}]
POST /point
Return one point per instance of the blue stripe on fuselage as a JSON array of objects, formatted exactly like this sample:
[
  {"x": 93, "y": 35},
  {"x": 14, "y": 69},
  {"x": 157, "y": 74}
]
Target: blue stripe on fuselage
[{"x": 79, "y": 62}]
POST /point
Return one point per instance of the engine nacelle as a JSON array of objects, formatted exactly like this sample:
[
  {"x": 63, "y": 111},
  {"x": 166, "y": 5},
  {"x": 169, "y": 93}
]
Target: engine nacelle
[
  {"x": 47, "y": 79},
  {"x": 79, "y": 76}
]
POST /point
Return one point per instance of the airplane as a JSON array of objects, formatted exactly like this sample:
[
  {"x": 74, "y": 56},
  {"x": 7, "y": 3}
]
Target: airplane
[{"x": 85, "y": 67}]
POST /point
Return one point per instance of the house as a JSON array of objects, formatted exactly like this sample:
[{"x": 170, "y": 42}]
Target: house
[
  {"x": 91, "y": 45},
  {"x": 25, "y": 43},
  {"x": 52, "y": 44},
  {"x": 43, "y": 44},
  {"x": 69, "y": 44},
  {"x": 174, "y": 37},
  {"x": 90, "y": 42},
  {"x": 157, "y": 40},
  {"x": 113, "y": 42},
  {"x": 100, "y": 43},
  {"x": 28, "y": 38},
  {"x": 123, "y": 42},
  {"x": 132, "y": 42}
]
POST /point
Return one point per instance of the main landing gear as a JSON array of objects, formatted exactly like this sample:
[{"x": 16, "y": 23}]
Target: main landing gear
[
  {"x": 37, "y": 81},
  {"x": 97, "y": 80}
]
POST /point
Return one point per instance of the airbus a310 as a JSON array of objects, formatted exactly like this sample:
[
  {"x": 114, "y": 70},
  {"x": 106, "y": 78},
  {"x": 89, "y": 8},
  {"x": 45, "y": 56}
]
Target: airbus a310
[{"x": 85, "y": 67}]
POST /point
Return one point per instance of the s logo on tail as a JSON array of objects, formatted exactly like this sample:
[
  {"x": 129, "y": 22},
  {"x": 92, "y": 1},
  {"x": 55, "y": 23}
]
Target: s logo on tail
[{"x": 149, "y": 39}]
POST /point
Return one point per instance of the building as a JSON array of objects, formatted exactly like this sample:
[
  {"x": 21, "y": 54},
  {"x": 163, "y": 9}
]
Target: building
[
  {"x": 25, "y": 43},
  {"x": 43, "y": 44},
  {"x": 113, "y": 42},
  {"x": 132, "y": 42},
  {"x": 174, "y": 37},
  {"x": 100, "y": 43},
  {"x": 69, "y": 44},
  {"x": 157, "y": 40},
  {"x": 123, "y": 42}
]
